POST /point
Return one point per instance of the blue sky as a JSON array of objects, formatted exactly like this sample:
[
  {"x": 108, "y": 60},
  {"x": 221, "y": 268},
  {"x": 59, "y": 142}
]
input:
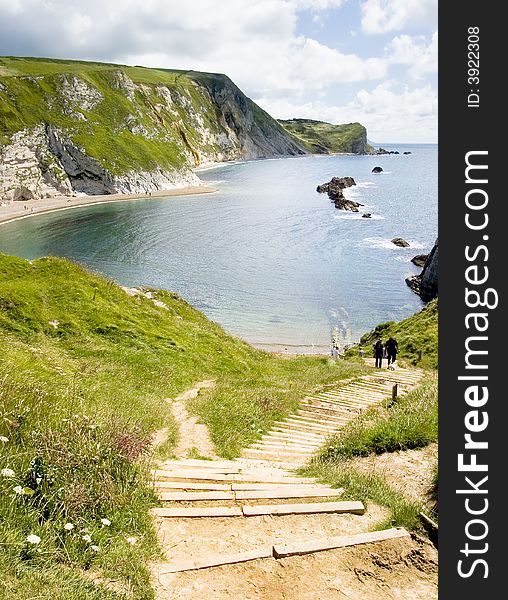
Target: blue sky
[{"x": 373, "y": 61}]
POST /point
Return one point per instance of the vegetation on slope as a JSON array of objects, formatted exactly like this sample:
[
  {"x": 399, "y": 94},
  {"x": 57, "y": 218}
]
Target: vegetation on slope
[
  {"x": 142, "y": 118},
  {"x": 417, "y": 337},
  {"x": 324, "y": 138},
  {"x": 411, "y": 422},
  {"x": 86, "y": 371}
]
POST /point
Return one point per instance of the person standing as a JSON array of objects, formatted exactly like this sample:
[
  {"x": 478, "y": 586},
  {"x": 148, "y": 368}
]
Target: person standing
[
  {"x": 378, "y": 353},
  {"x": 392, "y": 348}
]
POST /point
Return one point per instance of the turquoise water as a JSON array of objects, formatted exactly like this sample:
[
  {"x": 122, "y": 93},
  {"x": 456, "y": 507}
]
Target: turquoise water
[{"x": 266, "y": 256}]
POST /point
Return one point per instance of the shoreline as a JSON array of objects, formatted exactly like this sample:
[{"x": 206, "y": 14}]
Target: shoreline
[{"x": 16, "y": 211}]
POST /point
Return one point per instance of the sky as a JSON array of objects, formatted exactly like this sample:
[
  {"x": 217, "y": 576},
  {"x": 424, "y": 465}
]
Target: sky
[{"x": 372, "y": 61}]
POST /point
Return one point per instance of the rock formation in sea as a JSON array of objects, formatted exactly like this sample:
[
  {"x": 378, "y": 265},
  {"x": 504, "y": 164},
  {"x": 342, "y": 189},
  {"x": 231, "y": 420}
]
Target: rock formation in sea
[
  {"x": 426, "y": 283},
  {"x": 100, "y": 129},
  {"x": 335, "y": 190},
  {"x": 419, "y": 260},
  {"x": 401, "y": 242}
]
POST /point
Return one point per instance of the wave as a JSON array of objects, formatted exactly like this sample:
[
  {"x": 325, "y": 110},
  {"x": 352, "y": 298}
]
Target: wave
[
  {"x": 356, "y": 217},
  {"x": 366, "y": 184},
  {"x": 386, "y": 244}
]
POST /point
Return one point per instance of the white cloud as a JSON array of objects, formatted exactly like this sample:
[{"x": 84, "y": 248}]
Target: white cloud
[
  {"x": 407, "y": 116},
  {"x": 382, "y": 16},
  {"x": 255, "y": 43},
  {"x": 316, "y": 5},
  {"x": 320, "y": 65},
  {"x": 415, "y": 53}
]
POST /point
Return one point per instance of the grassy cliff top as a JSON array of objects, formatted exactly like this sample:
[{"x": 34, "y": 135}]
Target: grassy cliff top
[
  {"x": 135, "y": 118},
  {"x": 322, "y": 138}
]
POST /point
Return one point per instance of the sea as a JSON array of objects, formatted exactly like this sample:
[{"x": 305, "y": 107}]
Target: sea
[{"x": 265, "y": 256}]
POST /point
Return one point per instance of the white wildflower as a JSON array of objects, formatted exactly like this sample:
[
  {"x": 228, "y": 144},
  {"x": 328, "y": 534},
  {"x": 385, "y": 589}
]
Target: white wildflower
[
  {"x": 18, "y": 490},
  {"x": 86, "y": 538},
  {"x": 33, "y": 539},
  {"x": 68, "y": 527},
  {"x": 94, "y": 548},
  {"x": 132, "y": 540},
  {"x": 4, "y": 439},
  {"x": 7, "y": 473},
  {"x": 106, "y": 522}
]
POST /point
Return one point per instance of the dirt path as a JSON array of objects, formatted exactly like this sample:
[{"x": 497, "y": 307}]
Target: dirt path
[
  {"x": 193, "y": 435},
  {"x": 395, "y": 569}
]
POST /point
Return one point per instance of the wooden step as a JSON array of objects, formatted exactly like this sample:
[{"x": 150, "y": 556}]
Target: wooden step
[
  {"x": 216, "y": 561},
  {"x": 294, "y": 548},
  {"x": 276, "y": 486},
  {"x": 290, "y": 429},
  {"x": 288, "y": 440},
  {"x": 193, "y": 474},
  {"x": 186, "y": 463},
  {"x": 185, "y": 485},
  {"x": 267, "y": 445},
  {"x": 198, "y": 511},
  {"x": 209, "y": 470},
  {"x": 244, "y": 476},
  {"x": 193, "y": 496},
  {"x": 288, "y": 492},
  {"x": 321, "y": 416},
  {"x": 337, "y": 399},
  {"x": 297, "y": 435},
  {"x": 309, "y": 425},
  {"x": 343, "y": 401},
  {"x": 330, "y": 409},
  {"x": 295, "y": 459},
  {"x": 361, "y": 397},
  {"x": 302, "y": 509},
  {"x": 278, "y": 451},
  {"x": 319, "y": 420},
  {"x": 283, "y": 450}
]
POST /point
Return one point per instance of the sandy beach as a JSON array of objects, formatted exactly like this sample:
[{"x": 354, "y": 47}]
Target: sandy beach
[{"x": 17, "y": 210}]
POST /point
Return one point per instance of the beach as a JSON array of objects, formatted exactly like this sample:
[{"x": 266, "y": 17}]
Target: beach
[{"x": 17, "y": 210}]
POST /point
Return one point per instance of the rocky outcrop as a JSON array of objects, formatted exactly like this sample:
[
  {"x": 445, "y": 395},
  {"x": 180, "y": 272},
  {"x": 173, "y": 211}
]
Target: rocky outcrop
[
  {"x": 400, "y": 242},
  {"x": 335, "y": 190},
  {"x": 320, "y": 137},
  {"x": 109, "y": 131},
  {"x": 426, "y": 284},
  {"x": 44, "y": 163},
  {"x": 419, "y": 260},
  {"x": 377, "y": 170},
  {"x": 383, "y": 151},
  {"x": 29, "y": 170},
  {"x": 255, "y": 133}
]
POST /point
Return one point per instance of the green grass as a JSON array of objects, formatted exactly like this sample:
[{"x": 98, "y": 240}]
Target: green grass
[
  {"x": 86, "y": 371},
  {"x": 322, "y": 138},
  {"x": 417, "y": 337},
  {"x": 411, "y": 422},
  {"x": 368, "y": 488}
]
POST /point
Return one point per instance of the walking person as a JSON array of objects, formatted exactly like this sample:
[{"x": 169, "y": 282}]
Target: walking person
[
  {"x": 392, "y": 348},
  {"x": 378, "y": 353}
]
